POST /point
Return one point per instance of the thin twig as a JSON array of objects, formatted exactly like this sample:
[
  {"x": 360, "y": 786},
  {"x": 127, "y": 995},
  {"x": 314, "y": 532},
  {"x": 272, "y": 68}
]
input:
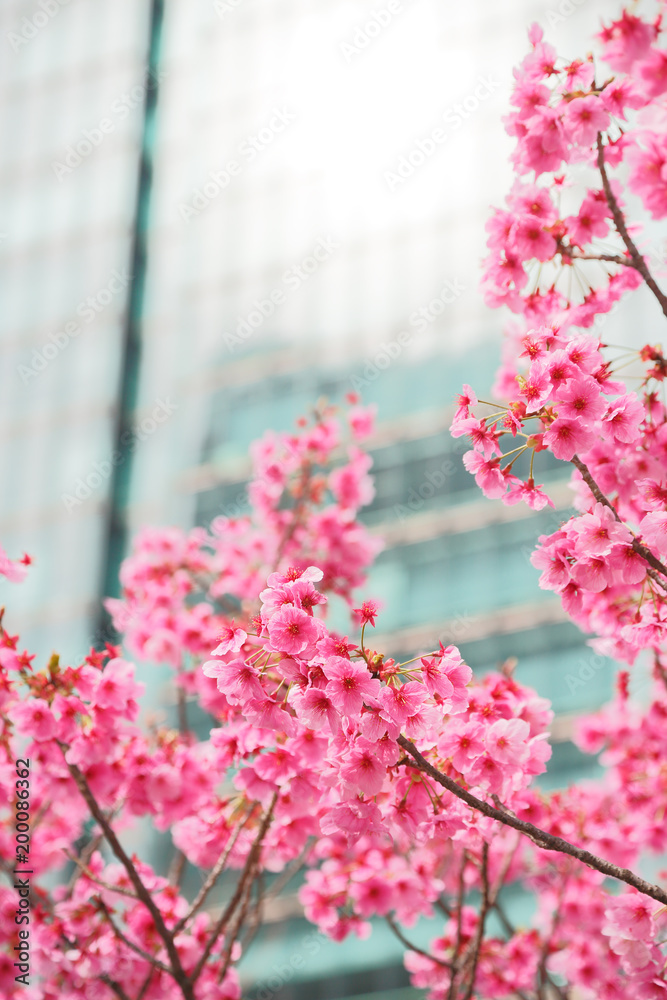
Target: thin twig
[
  {"x": 479, "y": 932},
  {"x": 238, "y": 894},
  {"x": 84, "y": 870},
  {"x": 413, "y": 947},
  {"x": 619, "y": 221},
  {"x": 546, "y": 841},
  {"x": 144, "y": 895},
  {"x": 147, "y": 957},
  {"x": 640, "y": 549},
  {"x": 212, "y": 877},
  {"x": 116, "y": 987}
]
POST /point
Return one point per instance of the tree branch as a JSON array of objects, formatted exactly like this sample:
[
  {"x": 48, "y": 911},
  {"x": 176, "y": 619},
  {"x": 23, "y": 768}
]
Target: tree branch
[
  {"x": 147, "y": 957},
  {"x": 238, "y": 894},
  {"x": 176, "y": 969},
  {"x": 638, "y": 261},
  {"x": 479, "y": 933},
  {"x": 546, "y": 841},
  {"x": 640, "y": 549},
  {"x": 413, "y": 947},
  {"x": 212, "y": 877}
]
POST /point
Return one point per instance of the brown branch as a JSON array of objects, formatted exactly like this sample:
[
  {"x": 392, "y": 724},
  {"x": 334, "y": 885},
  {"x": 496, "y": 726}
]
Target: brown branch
[
  {"x": 637, "y": 260},
  {"x": 146, "y": 983},
  {"x": 546, "y": 841},
  {"x": 451, "y": 992},
  {"x": 479, "y": 933},
  {"x": 227, "y": 913},
  {"x": 611, "y": 258},
  {"x": 413, "y": 947},
  {"x": 84, "y": 870},
  {"x": 212, "y": 876},
  {"x": 176, "y": 970},
  {"x": 238, "y": 923},
  {"x": 147, "y": 957},
  {"x": 640, "y": 549},
  {"x": 116, "y": 987}
]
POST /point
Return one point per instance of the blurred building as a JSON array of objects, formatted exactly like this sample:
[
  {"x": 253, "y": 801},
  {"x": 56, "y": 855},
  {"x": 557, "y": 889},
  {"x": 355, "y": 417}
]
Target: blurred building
[{"x": 243, "y": 206}]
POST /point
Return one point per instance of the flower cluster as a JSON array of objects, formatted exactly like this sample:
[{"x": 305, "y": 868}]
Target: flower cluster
[{"x": 566, "y": 392}]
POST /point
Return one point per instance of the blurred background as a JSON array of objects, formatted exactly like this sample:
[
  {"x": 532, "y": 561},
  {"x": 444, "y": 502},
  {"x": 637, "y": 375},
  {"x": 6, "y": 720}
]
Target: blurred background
[{"x": 215, "y": 212}]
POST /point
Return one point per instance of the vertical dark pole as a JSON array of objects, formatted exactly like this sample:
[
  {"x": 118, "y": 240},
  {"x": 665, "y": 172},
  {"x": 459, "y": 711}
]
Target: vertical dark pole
[{"x": 116, "y": 533}]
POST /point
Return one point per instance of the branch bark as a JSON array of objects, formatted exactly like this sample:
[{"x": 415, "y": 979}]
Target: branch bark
[
  {"x": 637, "y": 260},
  {"x": 546, "y": 841},
  {"x": 642, "y": 550},
  {"x": 228, "y": 912},
  {"x": 176, "y": 970}
]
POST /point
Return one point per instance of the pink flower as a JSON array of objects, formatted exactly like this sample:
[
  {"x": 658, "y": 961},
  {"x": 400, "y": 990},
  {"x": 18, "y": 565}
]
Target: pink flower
[
  {"x": 506, "y": 741},
  {"x": 238, "y": 680},
  {"x": 362, "y": 769},
  {"x": 116, "y": 686},
  {"x": 350, "y": 484},
  {"x": 529, "y": 493},
  {"x": 35, "y": 718},
  {"x": 581, "y": 398},
  {"x": 462, "y": 742},
  {"x": 653, "y": 529},
  {"x": 361, "y": 420},
  {"x": 231, "y": 640},
  {"x": 624, "y": 418},
  {"x": 401, "y": 701},
  {"x": 631, "y": 916},
  {"x": 590, "y": 222},
  {"x": 483, "y": 438},
  {"x": 465, "y": 400},
  {"x": 597, "y": 532},
  {"x": 367, "y": 613},
  {"x": 372, "y": 895},
  {"x": 626, "y": 40},
  {"x": 552, "y": 557},
  {"x": 653, "y": 73},
  {"x": 559, "y": 368},
  {"x": 648, "y": 174},
  {"x": 583, "y": 118},
  {"x": 654, "y": 495},
  {"x": 592, "y": 573},
  {"x": 315, "y": 708},
  {"x": 9, "y": 659},
  {"x": 14, "y": 570},
  {"x": 537, "y": 388},
  {"x": 565, "y": 437},
  {"x": 349, "y": 684},
  {"x": 487, "y": 773},
  {"x": 291, "y": 630},
  {"x": 487, "y": 473},
  {"x": 531, "y": 240}
]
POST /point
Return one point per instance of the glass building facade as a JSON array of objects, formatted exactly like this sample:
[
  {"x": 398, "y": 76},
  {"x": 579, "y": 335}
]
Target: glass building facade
[{"x": 213, "y": 213}]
